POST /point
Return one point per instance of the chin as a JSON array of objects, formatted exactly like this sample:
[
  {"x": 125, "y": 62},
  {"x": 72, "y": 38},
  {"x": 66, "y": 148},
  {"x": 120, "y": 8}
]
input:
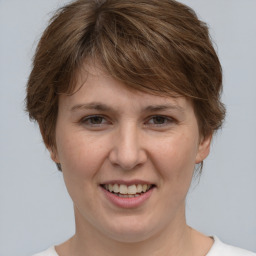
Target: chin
[{"x": 131, "y": 230}]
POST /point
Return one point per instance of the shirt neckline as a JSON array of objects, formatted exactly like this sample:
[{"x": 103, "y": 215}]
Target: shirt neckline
[{"x": 215, "y": 242}]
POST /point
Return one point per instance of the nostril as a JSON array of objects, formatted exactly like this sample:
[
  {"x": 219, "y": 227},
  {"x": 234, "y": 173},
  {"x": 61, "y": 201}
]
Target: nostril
[{"x": 127, "y": 159}]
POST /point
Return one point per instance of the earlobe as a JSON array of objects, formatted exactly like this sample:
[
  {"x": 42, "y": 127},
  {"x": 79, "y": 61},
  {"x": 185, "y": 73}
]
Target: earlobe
[
  {"x": 203, "y": 149},
  {"x": 55, "y": 158},
  {"x": 54, "y": 155},
  {"x": 52, "y": 149}
]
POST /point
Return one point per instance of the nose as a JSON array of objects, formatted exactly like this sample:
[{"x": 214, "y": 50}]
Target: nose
[{"x": 127, "y": 151}]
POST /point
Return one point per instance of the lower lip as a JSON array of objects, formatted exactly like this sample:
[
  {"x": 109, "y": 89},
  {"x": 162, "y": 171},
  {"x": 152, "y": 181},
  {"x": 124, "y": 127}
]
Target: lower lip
[{"x": 128, "y": 202}]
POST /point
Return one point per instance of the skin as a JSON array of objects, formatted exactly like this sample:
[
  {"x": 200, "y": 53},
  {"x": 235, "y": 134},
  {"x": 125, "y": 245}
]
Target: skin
[{"x": 128, "y": 138}]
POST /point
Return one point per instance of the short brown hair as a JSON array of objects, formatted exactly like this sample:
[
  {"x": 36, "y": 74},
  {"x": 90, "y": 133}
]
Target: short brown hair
[{"x": 159, "y": 47}]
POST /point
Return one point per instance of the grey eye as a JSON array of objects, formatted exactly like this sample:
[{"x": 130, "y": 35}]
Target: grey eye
[
  {"x": 159, "y": 119},
  {"x": 95, "y": 120}
]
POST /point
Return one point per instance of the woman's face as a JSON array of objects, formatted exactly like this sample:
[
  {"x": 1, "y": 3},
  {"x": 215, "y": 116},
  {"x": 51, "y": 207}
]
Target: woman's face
[{"x": 141, "y": 147}]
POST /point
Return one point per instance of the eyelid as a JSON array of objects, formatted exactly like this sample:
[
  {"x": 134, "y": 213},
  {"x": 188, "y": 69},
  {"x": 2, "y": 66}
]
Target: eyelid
[
  {"x": 85, "y": 119},
  {"x": 168, "y": 120}
]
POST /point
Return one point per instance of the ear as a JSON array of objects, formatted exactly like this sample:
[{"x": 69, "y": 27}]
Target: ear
[
  {"x": 54, "y": 154},
  {"x": 203, "y": 148},
  {"x": 51, "y": 148}
]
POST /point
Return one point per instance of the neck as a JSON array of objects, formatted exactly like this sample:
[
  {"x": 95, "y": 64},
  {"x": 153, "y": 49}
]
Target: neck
[{"x": 175, "y": 239}]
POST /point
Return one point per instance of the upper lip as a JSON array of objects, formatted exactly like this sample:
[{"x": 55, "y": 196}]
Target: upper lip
[{"x": 127, "y": 182}]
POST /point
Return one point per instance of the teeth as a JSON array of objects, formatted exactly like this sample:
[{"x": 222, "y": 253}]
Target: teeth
[
  {"x": 127, "y": 191},
  {"x": 116, "y": 188},
  {"x": 110, "y": 187},
  {"x": 123, "y": 189},
  {"x": 139, "y": 188},
  {"x": 131, "y": 189},
  {"x": 121, "y": 195}
]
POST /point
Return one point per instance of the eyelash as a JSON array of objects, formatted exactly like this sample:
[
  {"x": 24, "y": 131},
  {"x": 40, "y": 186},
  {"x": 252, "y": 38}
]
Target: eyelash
[
  {"x": 166, "y": 121},
  {"x": 87, "y": 120}
]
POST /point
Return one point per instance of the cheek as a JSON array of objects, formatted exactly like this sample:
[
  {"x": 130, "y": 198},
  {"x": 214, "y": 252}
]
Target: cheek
[
  {"x": 80, "y": 155},
  {"x": 81, "y": 159},
  {"x": 175, "y": 157}
]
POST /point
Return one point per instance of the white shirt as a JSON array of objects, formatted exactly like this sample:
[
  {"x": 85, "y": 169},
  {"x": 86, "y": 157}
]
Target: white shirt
[
  {"x": 218, "y": 249},
  {"x": 221, "y": 249}
]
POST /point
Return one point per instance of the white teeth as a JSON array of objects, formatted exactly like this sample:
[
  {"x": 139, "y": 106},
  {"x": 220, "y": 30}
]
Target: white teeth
[
  {"x": 131, "y": 189},
  {"x": 121, "y": 195},
  {"x": 110, "y": 188},
  {"x": 124, "y": 190},
  {"x": 144, "y": 187},
  {"x": 139, "y": 188},
  {"x": 116, "y": 188}
]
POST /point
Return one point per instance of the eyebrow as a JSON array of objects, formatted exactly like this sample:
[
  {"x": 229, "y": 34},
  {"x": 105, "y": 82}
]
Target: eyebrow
[
  {"x": 106, "y": 108},
  {"x": 93, "y": 105},
  {"x": 155, "y": 108}
]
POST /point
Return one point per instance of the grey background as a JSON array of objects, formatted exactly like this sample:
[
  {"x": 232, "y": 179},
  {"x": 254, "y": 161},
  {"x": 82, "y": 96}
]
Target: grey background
[{"x": 35, "y": 209}]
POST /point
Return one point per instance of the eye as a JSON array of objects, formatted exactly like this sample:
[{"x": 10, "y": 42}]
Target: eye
[
  {"x": 94, "y": 120},
  {"x": 159, "y": 120}
]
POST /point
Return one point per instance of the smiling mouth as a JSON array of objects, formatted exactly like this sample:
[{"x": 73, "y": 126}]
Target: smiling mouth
[{"x": 122, "y": 190}]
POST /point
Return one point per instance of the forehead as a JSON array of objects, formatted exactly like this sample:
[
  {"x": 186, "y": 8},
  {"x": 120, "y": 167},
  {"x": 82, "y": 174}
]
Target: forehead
[{"x": 96, "y": 87}]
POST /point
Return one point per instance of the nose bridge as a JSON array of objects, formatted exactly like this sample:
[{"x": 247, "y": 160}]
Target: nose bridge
[{"x": 127, "y": 151}]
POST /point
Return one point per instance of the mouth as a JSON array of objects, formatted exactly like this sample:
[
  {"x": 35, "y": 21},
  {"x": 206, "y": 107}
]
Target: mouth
[{"x": 122, "y": 190}]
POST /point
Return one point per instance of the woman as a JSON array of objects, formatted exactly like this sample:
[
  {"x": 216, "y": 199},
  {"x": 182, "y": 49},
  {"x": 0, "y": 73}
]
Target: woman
[{"x": 127, "y": 98}]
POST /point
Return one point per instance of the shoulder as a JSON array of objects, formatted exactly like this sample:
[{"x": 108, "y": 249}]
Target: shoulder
[
  {"x": 49, "y": 252},
  {"x": 221, "y": 249}
]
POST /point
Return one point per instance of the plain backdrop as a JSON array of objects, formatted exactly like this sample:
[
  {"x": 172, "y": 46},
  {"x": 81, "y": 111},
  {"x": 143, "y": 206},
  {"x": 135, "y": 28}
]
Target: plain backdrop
[{"x": 35, "y": 209}]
